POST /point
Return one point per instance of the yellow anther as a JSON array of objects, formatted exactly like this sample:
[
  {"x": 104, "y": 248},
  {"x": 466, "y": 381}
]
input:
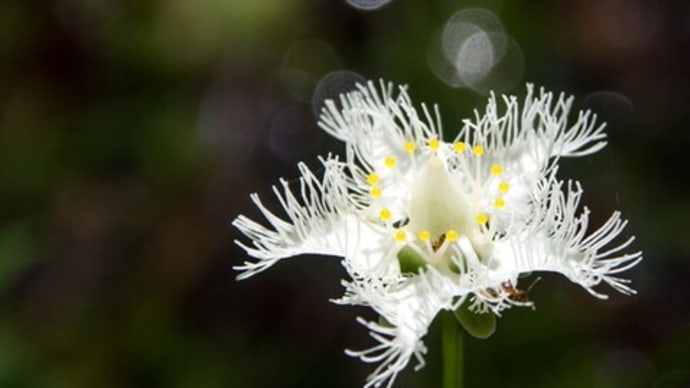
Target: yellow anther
[
  {"x": 482, "y": 219},
  {"x": 499, "y": 202},
  {"x": 400, "y": 235},
  {"x": 373, "y": 178},
  {"x": 424, "y": 235},
  {"x": 410, "y": 146},
  {"x": 390, "y": 161},
  {"x": 496, "y": 169},
  {"x": 478, "y": 150},
  {"x": 375, "y": 192},
  {"x": 385, "y": 214},
  {"x": 451, "y": 235},
  {"x": 434, "y": 144},
  {"x": 459, "y": 147},
  {"x": 503, "y": 187}
]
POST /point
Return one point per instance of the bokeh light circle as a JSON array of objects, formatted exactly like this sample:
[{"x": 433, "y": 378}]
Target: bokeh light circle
[
  {"x": 475, "y": 58},
  {"x": 472, "y": 51},
  {"x": 613, "y": 107},
  {"x": 304, "y": 63},
  {"x": 367, "y": 5},
  {"x": 506, "y": 72},
  {"x": 332, "y": 86},
  {"x": 465, "y": 24}
]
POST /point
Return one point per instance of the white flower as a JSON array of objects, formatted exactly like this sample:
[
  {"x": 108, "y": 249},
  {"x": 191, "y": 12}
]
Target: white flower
[{"x": 474, "y": 212}]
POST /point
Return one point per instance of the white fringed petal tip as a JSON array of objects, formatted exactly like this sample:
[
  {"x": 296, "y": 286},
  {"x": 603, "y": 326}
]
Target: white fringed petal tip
[{"x": 477, "y": 211}]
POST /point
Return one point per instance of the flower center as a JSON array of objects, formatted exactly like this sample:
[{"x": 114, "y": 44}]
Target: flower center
[{"x": 455, "y": 197}]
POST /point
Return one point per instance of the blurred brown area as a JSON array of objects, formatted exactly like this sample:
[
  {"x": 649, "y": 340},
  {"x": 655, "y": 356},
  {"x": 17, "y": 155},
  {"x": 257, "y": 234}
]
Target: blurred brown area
[{"x": 131, "y": 134}]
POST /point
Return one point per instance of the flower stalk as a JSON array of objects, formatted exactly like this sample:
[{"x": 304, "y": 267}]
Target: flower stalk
[{"x": 453, "y": 352}]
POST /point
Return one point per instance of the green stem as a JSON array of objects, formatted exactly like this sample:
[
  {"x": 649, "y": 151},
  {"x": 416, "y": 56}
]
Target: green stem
[{"x": 452, "y": 352}]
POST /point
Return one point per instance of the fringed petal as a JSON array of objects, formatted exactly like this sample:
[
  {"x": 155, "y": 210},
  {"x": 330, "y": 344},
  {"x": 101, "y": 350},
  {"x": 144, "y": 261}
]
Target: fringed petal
[
  {"x": 318, "y": 219},
  {"x": 557, "y": 241},
  {"x": 407, "y": 307}
]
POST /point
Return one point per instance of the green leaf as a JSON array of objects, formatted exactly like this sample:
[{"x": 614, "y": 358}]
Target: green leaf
[
  {"x": 410, "y": 261},
  {"x": 481, "y": 326},
  {"x": 384, "y": 322}
]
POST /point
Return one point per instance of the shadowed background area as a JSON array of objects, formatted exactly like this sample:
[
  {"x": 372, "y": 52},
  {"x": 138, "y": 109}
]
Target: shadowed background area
[{"x": 131, "y": 134}]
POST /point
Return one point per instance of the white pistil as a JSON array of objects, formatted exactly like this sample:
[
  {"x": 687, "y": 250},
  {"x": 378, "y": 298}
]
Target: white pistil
[{"x": 437, "y": 201}]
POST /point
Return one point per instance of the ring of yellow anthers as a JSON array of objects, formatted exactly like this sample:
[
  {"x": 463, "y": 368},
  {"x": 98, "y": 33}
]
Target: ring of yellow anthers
[
  {"x": 434, "y": 144},
  {"x": 424, "y": 235}
]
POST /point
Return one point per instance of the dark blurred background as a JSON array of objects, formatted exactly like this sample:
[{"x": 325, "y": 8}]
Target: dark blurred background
[{"x": 132, "y": 132}]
